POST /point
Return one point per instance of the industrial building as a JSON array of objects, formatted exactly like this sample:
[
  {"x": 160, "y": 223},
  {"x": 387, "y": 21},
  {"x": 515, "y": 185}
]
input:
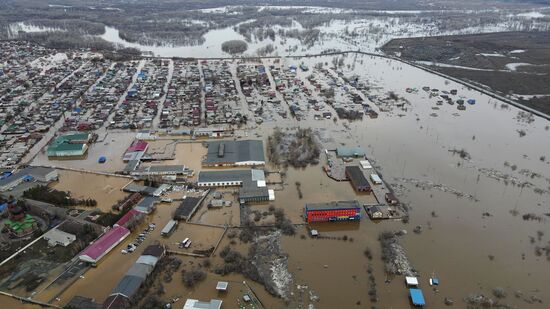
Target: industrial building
[
  {"x": 187, "y": 208},
  {"x": 162, "y": 170},
  {"x": 57, "y": 237},
  {"x": 42, "y": 174},
  {"x": 145, "y": 190},
  {"x": 129, "y": 285},
  {"x": 350, "y": 152},
  {"x": 235, "y": 153},
  {"x": 333, "y": 211},
  {"x": 252, "y": 183},
  {"x": 70, "y": 145},
  {"x": 358, "y": 179},
  {"x": 98, "y": 249},
  {"x": 147, "y": 204}
]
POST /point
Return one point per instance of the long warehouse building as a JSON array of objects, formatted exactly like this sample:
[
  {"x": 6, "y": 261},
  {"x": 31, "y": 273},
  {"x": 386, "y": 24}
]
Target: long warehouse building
[{"x": 333, "y": 211}]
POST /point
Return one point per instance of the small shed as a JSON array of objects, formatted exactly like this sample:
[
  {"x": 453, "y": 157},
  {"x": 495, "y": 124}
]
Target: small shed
[
  {"x": 417, "y": 297},
  {"x": 411, "y": 281},
  {"x": 222, "y": 286}
]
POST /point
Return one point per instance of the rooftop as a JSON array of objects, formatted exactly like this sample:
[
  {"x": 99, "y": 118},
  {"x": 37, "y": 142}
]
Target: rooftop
[
  {"x": 333, "y": 205},
  {"x": 104, "y": 244},
  {"x": 245, "y": 176},
  {"x": 196, "y": 304},
  {"x": 350, "y": 151},
  {"x": 228, "y": 152},
  {"x": 417, "y": 297}
]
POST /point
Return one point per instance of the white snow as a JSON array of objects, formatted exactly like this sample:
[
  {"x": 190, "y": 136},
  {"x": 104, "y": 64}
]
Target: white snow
[
  {"x": 444, "y": 65},
  {"x": 491, "y": 55},
  {"x": 532, "y": 14},
  {"x": 515, "y": 65}
]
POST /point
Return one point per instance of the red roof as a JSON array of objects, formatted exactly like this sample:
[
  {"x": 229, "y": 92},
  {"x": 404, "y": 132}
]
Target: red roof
[
  {"x": 137, "y": 145},
  {"x": 104, "y": 244},
  {"x": 127, "y": 217}
]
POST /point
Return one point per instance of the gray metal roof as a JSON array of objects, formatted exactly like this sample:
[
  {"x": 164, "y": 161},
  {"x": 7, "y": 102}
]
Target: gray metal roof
[
  {"x": 39, "y": 171},
  {"x": 333, "y": 205},
  {"x": 140, "y": 270},
  {"x": 16, "y": 176},
  {"x": 128, "y": 286},
  {"x": 147, "y": 204},
  {"x": 234, "y": 151},
  {"x": 253, "y": 192},
  {"x": 187, "y": 207},
  {"x": 225, "y": 176},
  {"x": 356, "y": 176},
  {"x": 147, "y": 260},
  {"x": 350, "y": 151},
  {"x": 131, "y": 166},
  {"x": 174, "y": 169}
]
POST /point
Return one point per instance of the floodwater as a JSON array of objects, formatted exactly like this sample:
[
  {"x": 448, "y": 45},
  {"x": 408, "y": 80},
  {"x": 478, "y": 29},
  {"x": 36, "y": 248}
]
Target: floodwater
[
  {"x": 415, "y": 145},
  {"x": 106, "y": 190},
  {"x": 471, "y": 238},
  {"x": 111, "y": 145},
  {"x": 366, "y": 34}
]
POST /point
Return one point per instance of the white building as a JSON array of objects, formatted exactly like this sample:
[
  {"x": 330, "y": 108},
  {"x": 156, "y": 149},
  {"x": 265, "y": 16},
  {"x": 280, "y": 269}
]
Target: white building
[{"x": 57, "y": 237}]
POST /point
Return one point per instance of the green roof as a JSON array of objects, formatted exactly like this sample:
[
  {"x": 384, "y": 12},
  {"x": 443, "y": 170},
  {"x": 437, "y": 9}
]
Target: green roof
[
  {"x": 73, "y": 137},
  {"x": 27, "y": 222},
  {"x": 63, "y": 144}
]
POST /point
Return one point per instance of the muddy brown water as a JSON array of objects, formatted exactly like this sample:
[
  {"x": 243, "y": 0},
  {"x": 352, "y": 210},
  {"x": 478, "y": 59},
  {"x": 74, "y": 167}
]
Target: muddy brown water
[{"x": 455, "y": 243}]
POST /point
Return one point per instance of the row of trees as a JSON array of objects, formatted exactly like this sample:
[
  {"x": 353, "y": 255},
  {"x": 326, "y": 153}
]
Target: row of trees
[{"x": 59, "y": 198}]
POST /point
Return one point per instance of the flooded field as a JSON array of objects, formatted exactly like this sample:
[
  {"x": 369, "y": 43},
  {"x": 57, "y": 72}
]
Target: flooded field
[
  {"x": 458, "y": 239},
  {"x": 106, "y": 190},
  {"x": 306, "y": 30}
]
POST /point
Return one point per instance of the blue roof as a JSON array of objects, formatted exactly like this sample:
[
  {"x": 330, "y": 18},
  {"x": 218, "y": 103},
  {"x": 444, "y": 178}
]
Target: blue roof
[{"x": 417, "y": 297}]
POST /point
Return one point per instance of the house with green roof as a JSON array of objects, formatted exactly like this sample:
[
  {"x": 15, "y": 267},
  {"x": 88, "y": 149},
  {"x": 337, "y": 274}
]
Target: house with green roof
[{"x": 70, "y": 145}]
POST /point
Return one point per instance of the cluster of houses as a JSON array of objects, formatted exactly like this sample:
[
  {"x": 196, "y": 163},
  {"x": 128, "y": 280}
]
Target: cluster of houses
[
  {"x": 221, "y": 101},
  {"x": 338, "y": 93},
  {"x": 140, "y": 107},
  {"x": 37, "y": 87},
  {"x": 102, "y": 98},
  {"x": 183, "y": 100},
  {"x": 256, "y": 87}
]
